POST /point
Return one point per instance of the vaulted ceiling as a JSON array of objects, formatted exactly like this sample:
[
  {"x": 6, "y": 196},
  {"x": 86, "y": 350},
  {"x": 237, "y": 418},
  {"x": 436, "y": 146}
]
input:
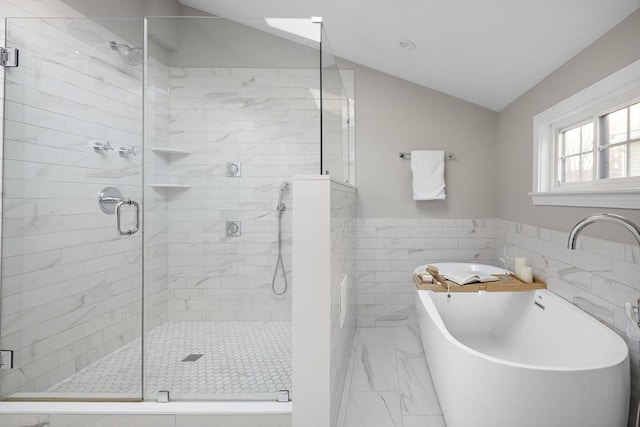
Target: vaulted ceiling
[{"x": 488, "y": 52}]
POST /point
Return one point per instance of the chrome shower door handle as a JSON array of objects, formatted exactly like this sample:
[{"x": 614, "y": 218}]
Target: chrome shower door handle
[{"x": 119, "y": 221}]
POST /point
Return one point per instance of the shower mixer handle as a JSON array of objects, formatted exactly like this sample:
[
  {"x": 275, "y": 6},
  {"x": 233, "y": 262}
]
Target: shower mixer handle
[
  {"x": 102, "y": 147},
  {"x": 126, "y": 151}
]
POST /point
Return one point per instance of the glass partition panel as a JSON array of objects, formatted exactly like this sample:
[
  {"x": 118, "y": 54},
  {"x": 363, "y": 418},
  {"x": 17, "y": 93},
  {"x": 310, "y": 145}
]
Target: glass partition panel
[
  {"x": 71, "y": 292},
  {"x": 338, "y": 146},
  {"x": 231, "y": 114}
]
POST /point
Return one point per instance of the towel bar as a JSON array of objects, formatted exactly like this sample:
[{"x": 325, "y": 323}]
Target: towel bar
[{"x": 448, "y": 156}]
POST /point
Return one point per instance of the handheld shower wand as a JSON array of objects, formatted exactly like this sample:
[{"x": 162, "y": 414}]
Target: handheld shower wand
[
  {"x": 281, "y": 206},
  {"x": 280, "y": 263}
]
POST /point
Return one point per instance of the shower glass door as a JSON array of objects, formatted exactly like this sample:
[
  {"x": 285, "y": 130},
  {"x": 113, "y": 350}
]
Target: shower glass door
[
  {"x": 71, "y": 291},
  {"x": 231, "y": 114}
]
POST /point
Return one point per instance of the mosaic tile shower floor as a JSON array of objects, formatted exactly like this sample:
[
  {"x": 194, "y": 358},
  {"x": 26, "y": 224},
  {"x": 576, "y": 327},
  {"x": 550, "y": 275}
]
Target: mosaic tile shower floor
[{"x": 238, "y": 358}]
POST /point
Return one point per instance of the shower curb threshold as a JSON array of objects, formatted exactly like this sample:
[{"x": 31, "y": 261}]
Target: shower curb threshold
[{"x": 221, "y": 408}]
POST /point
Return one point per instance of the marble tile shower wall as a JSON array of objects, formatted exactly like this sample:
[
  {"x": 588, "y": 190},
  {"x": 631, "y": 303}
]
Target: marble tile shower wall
[
  {"x": 389, "y": 249},
  {"x": 70, "y": 284},
  {"x": 156, "y": 291},
  {"x": 268, "y": 120}
]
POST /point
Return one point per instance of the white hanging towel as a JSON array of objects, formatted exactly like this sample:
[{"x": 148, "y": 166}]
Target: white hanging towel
[{"x": 427, "y": 167}]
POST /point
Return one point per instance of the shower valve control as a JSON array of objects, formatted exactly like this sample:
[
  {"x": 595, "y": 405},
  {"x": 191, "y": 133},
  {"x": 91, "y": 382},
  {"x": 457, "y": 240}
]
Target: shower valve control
[
  {"x": 233, "y": 170},
  {"x": 127, "y": 151},
  {"x": 6, "y": 359},
  {"x": 233, "y": 228}
]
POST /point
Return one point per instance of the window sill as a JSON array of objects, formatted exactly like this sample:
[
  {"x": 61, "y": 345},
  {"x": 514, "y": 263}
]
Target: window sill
[{"x": 619, "y": 198}]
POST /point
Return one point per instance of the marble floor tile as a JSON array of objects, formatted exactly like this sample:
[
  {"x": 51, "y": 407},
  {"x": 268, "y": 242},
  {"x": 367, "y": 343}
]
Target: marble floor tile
[
  {"x": 380, "y": 336},
  {"x": 346, "y": 390},
  {"x": 423, "y": 421},
  {"x": 237, "y": 358},
  {"x": 373, "y": 409},
  {"x": 374, "y": 368},
  {"x": 366, "y": 400},
  {"x": 417, "y": 394},
  {"x": 407, "y": 341},
  {"x": 24, "y": 420}
]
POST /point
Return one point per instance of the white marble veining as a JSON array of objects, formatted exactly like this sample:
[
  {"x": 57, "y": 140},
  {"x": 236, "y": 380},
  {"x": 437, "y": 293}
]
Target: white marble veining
[
  {"x": 375, "y": 368},
  {"x": 343, "y": 273},
  {"x": 389, "y": 249},
  {"x": 407, "y": 397},
  {"x": 417, "y": 394},
  {"x": 267, "y": 121}
]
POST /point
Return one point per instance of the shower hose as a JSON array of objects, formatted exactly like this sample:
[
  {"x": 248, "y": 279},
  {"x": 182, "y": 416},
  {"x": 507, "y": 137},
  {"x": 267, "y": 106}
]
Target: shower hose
[{"x": 279, "y": 262}]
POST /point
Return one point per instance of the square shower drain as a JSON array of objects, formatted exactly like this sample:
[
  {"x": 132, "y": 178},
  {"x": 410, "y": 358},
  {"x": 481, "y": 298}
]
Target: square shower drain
[{"x": 192, "y": 357}]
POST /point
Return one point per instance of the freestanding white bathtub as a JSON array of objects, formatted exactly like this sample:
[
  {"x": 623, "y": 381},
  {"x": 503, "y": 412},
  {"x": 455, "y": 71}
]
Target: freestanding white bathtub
[{"x": 522, "y": 359}]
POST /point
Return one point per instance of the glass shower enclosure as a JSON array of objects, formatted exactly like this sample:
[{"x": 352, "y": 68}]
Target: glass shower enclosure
[{"x": 146, "y": 227}]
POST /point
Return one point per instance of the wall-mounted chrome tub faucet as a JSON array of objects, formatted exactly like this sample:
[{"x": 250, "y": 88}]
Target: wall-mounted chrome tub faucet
[
  {"x": 631, "y": 311},
  {"x": 602, "y": 217}
]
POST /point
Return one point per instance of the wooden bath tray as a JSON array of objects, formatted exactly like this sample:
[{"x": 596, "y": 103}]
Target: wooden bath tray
[{"x": 510, "y": 284}]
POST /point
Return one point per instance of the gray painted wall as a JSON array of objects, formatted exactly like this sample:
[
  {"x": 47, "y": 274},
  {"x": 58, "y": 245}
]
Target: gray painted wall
[
  {"x": 394, "y": 115},
  {"x": 514, "y": 147}
]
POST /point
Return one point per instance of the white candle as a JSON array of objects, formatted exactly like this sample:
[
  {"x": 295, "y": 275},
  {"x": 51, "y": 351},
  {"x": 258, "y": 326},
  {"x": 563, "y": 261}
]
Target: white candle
[
  {"x": 526, "y": 274},
  {"x": 518, "y": 263}
]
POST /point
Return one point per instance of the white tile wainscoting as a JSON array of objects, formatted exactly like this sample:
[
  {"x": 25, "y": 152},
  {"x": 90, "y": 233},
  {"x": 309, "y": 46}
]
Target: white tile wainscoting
[
  {"x": 599, "y": 276},
  {"x": 389, "y": 249}
]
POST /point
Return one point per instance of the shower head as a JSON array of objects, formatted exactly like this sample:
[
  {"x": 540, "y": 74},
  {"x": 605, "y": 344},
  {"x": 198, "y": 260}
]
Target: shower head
[
  {"x": 284, "y": 186},
  {"x": 132, "y": 55}
]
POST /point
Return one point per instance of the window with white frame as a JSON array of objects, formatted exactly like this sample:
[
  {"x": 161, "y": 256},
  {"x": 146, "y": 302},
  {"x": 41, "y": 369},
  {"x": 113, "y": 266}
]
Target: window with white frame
[
  {"x": 587, "y": 148},
  {"x": 606, "y": 146}
]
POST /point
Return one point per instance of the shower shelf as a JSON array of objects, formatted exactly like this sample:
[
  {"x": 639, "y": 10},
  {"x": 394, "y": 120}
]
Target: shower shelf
[
  {"x": 169, "y": 186},
  {"x": 162, "y": 150}
]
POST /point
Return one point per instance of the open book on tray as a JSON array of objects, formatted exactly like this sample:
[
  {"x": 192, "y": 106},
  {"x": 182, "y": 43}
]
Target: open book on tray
[{"x": 464, "y": 277}]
